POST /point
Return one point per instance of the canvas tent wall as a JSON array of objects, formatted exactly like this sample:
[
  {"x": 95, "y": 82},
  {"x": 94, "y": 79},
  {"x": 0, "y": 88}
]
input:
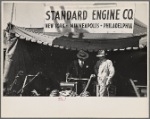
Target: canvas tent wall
[{"x": 32, "y": 50}]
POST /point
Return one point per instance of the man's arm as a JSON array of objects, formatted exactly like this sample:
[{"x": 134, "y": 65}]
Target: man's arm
[{"x": 111, "y": 71}]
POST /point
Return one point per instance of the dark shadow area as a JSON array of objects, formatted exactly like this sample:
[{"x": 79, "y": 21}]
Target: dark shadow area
[{"x": 32, "y": 58}]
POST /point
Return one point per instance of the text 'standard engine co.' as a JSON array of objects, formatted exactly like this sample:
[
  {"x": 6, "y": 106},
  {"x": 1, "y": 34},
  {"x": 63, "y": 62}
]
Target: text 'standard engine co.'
[
  {"x": 83, "y": 15},
  {"x": 93, "y": 16}
]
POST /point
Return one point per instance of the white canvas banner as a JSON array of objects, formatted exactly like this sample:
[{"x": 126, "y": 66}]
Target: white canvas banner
[{"x": 89, "y": 19}]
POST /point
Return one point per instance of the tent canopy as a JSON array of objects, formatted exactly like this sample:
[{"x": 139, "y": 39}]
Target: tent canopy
[
  {"x": 82, "y": 40},
  {"x": 29, "y": 51}
]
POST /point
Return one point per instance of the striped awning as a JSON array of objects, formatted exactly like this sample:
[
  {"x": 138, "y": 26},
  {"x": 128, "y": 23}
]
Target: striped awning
[{"x": 88, "y": 41}]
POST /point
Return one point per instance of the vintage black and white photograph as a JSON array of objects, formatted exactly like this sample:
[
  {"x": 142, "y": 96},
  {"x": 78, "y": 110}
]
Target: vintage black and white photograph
[
  {"x": 86, "y": 59},
  {"x": 74, "y": 50}
]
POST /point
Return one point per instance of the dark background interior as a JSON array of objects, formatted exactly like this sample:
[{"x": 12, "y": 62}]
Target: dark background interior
[{"x": 52, "y": 62}]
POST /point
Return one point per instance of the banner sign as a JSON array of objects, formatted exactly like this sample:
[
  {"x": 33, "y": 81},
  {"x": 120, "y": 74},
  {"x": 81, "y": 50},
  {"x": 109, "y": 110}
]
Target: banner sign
[{"x": 89, "y": 19}]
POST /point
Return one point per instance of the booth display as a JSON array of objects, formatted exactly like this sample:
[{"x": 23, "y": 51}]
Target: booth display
[{"x": 32, "y": 50}]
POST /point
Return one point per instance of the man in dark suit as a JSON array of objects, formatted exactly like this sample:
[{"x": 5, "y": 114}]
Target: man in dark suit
[{"x": 80, "y": 69}]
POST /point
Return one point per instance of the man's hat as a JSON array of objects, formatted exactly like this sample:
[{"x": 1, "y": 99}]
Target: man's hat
[
  {"x": 101, "y": 53},
  {"x": 82, "y": 55}
]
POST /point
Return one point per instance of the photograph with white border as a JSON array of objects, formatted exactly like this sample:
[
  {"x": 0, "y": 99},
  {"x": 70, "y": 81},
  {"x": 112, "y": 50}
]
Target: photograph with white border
[{"x": 74, "y": 57}]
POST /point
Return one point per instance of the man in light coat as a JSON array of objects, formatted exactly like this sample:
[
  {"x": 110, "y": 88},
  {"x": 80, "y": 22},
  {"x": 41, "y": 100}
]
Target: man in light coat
[{"x": 105, "y": 71}]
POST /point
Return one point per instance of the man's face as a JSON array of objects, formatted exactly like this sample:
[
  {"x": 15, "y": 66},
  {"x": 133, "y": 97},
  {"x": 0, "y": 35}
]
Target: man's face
[{"x": 101, "y": 58}]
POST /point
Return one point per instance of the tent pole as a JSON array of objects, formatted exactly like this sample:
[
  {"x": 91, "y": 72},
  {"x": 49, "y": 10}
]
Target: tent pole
[{"x": 12, "y": 12}]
